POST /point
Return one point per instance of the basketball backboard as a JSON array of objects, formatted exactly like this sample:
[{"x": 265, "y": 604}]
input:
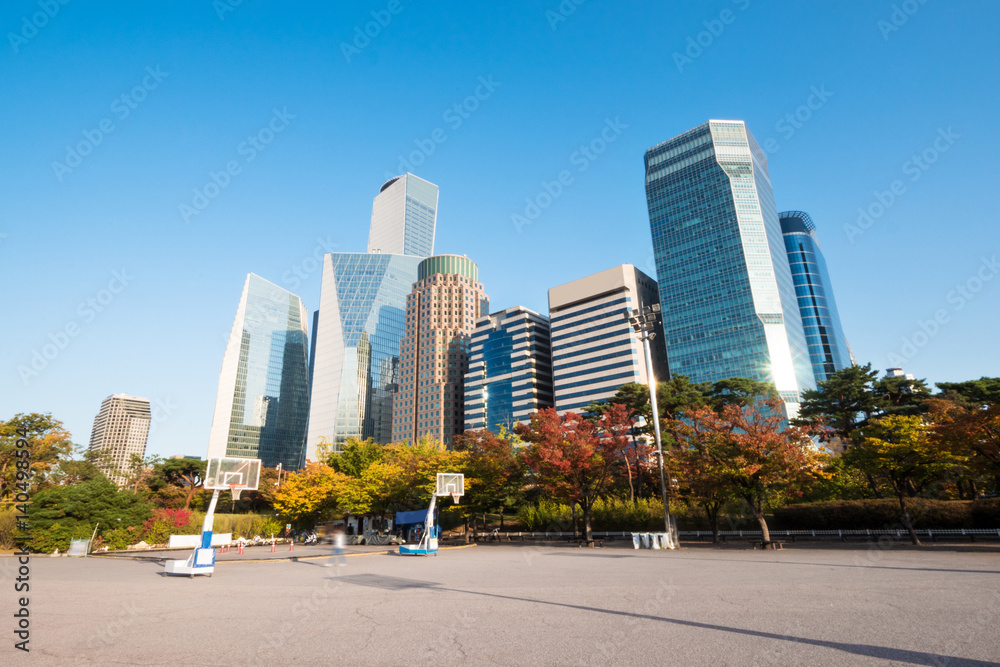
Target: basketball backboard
[
  {"x": 226, "y": 473},
  {"x": 450, "y": 484}
]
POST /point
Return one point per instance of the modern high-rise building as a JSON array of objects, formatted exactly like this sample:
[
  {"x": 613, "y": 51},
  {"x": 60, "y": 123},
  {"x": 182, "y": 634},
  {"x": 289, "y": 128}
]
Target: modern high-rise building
[
  {"x": 262, "y": 406},
  {"x": 594, "y": 348},
  {"x": 828, "y": 350},
  {"x": 510, "y": 369},
  {"x": 729, "y": 305},
  {"x": 361, "y": 318},
  {"x": 360, "y": 325},
  {"x": 120, "y": 430},
  {"x": 441, "y": 313},
  {"x": 404, "y": 216}
]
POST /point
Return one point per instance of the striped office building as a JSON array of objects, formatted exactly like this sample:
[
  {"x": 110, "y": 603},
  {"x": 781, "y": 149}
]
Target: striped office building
[
  {"x": 594, "y": 348},
  {"x": 510, "y": 369}
]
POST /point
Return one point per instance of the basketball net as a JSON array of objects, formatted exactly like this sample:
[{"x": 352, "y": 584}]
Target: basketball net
[
  {"x": 455, "y": 497},
  {"x": 236, "y": 490}
]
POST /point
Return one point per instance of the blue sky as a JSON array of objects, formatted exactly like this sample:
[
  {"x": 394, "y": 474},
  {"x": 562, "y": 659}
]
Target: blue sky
[{"x": 98, "y": 258}]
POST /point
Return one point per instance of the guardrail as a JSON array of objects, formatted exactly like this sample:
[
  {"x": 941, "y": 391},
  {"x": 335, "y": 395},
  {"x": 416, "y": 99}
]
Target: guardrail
[{"x": 843, "y": 535}]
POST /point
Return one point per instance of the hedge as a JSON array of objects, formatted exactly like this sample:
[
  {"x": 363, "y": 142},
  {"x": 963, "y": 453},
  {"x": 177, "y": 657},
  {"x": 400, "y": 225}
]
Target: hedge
[{"x": 884, "y": 513}]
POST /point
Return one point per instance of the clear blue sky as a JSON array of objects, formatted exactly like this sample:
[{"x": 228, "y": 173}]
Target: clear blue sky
[{"x": 213, "y": 82}]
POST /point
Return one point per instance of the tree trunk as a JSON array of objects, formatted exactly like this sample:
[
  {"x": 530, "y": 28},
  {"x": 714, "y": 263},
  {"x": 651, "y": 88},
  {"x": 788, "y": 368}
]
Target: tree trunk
[
  {"x": 758, "y": 513},
  {"x": 961, "y": 489},
  {"x": 871, "y": 482},
  {"x": 576, "y": 531},
  {"x": 905, "y": 517},
  {"x": 501, "y": 518},
  {"x": 466, "y": 528},
  {"x": 713, "y": 510},
  {"x": 586, "y": 524},
  {"x": 631, "y": 486},
  {"x": 475, "y": 528},
  {"x": 190, "y": 497}
]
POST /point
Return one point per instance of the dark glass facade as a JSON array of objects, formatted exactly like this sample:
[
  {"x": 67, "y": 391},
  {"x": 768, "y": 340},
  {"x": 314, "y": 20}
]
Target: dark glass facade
[
  {"x": 510, "y": 369},
  {"x": 729, "y": 307},
  {"x": 828, "y": 350}
]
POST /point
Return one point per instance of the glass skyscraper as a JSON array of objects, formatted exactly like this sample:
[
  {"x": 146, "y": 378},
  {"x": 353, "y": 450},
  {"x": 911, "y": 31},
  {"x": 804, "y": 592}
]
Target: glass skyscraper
[
  {"x": 361, "y": 319},
  {"x": 360, "y": 325},
  {"x": 828, "y": 350},
  {"x": 729, "y": 304},
  {"x": 510, "y": 369},
  {"x": 262, "y": 405},
  {"x": 404, "y": 215}
]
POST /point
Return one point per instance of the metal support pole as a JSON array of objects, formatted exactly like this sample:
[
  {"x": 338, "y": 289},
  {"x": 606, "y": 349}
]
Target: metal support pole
[{"x": 659, "y": 441}]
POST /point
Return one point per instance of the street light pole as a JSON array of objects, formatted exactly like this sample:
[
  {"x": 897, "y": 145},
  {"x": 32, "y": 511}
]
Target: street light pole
[{"x": 644, "y": 323}]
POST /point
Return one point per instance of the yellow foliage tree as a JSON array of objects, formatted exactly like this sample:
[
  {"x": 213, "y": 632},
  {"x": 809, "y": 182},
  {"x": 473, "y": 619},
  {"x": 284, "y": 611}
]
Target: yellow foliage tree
[{"x": 308, "y": 492}]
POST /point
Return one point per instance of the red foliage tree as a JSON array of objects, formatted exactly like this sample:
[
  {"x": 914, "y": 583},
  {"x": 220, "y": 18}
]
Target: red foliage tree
[{"x": 573, "y": 459}]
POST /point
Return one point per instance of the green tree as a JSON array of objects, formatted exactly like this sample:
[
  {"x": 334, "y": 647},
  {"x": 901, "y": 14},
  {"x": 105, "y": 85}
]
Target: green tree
[
  {"x": 355, "y": 456},
  {"x": 739, "y": 391},
  {"x": 842, "y": 402},
  {"x": 901, "y": 395},
  {"x": 973, "y": 393},
  {"x": 187, "y": 474},
  {"x": 61, "y": 513},
  {"x": 48, "y": 443},
  {"x": 895, "y": 450}
]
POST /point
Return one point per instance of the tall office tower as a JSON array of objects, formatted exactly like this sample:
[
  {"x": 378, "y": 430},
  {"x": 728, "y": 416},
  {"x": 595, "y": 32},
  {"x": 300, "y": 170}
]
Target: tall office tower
[
  {"x": 510, "y": 369},
  {"x": 120, "y": 430},
  {"x": 828, "y": 350},
  {"x": 360, "y": 325},
  {"x": 404, "y": 216},
  {"x": 441, "y": 313},
  {"x": 729, "y": 306},
  {"x": 594, "y": 348},
  {"x": 262, "y": 405},
  {"x": 361, "y": 318}
]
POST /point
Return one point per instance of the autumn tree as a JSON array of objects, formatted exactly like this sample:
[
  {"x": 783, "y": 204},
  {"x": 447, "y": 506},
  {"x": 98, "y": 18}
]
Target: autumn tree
[
  {"x": 751, "y": 452},
  {"x": 971, "y": 431},
  {"x": 48, "y": 443},
  {"x": 571, "y": 459},
  {"x": 701, "y": 478},
  {"x": 896, "y": 451},
  {"x": 494, "y": 474},
  {"x": 307, "y": 493}
]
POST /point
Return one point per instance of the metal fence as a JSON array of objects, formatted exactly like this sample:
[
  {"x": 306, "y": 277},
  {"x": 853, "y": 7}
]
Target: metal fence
[{"x": 844, "y": 535}]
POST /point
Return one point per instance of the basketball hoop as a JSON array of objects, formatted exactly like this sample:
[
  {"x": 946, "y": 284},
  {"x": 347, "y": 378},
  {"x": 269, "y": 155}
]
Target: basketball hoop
[
  {"x": 456, "y": 497},
  {"x": 236, "y": 490}
]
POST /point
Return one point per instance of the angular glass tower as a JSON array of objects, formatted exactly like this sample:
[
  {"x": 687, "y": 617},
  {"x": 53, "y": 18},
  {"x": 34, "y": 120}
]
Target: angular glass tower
[
  {"x": 510, "y": 369},
  {"x": 360, "y": 325},
  {"x": 729, "y": 305},
  {"x": 828, "y": 349},
  {"x": 361, "y": 318},
  {"x": 404, "y": 215},
  {"x": 262, "y": 406}
]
